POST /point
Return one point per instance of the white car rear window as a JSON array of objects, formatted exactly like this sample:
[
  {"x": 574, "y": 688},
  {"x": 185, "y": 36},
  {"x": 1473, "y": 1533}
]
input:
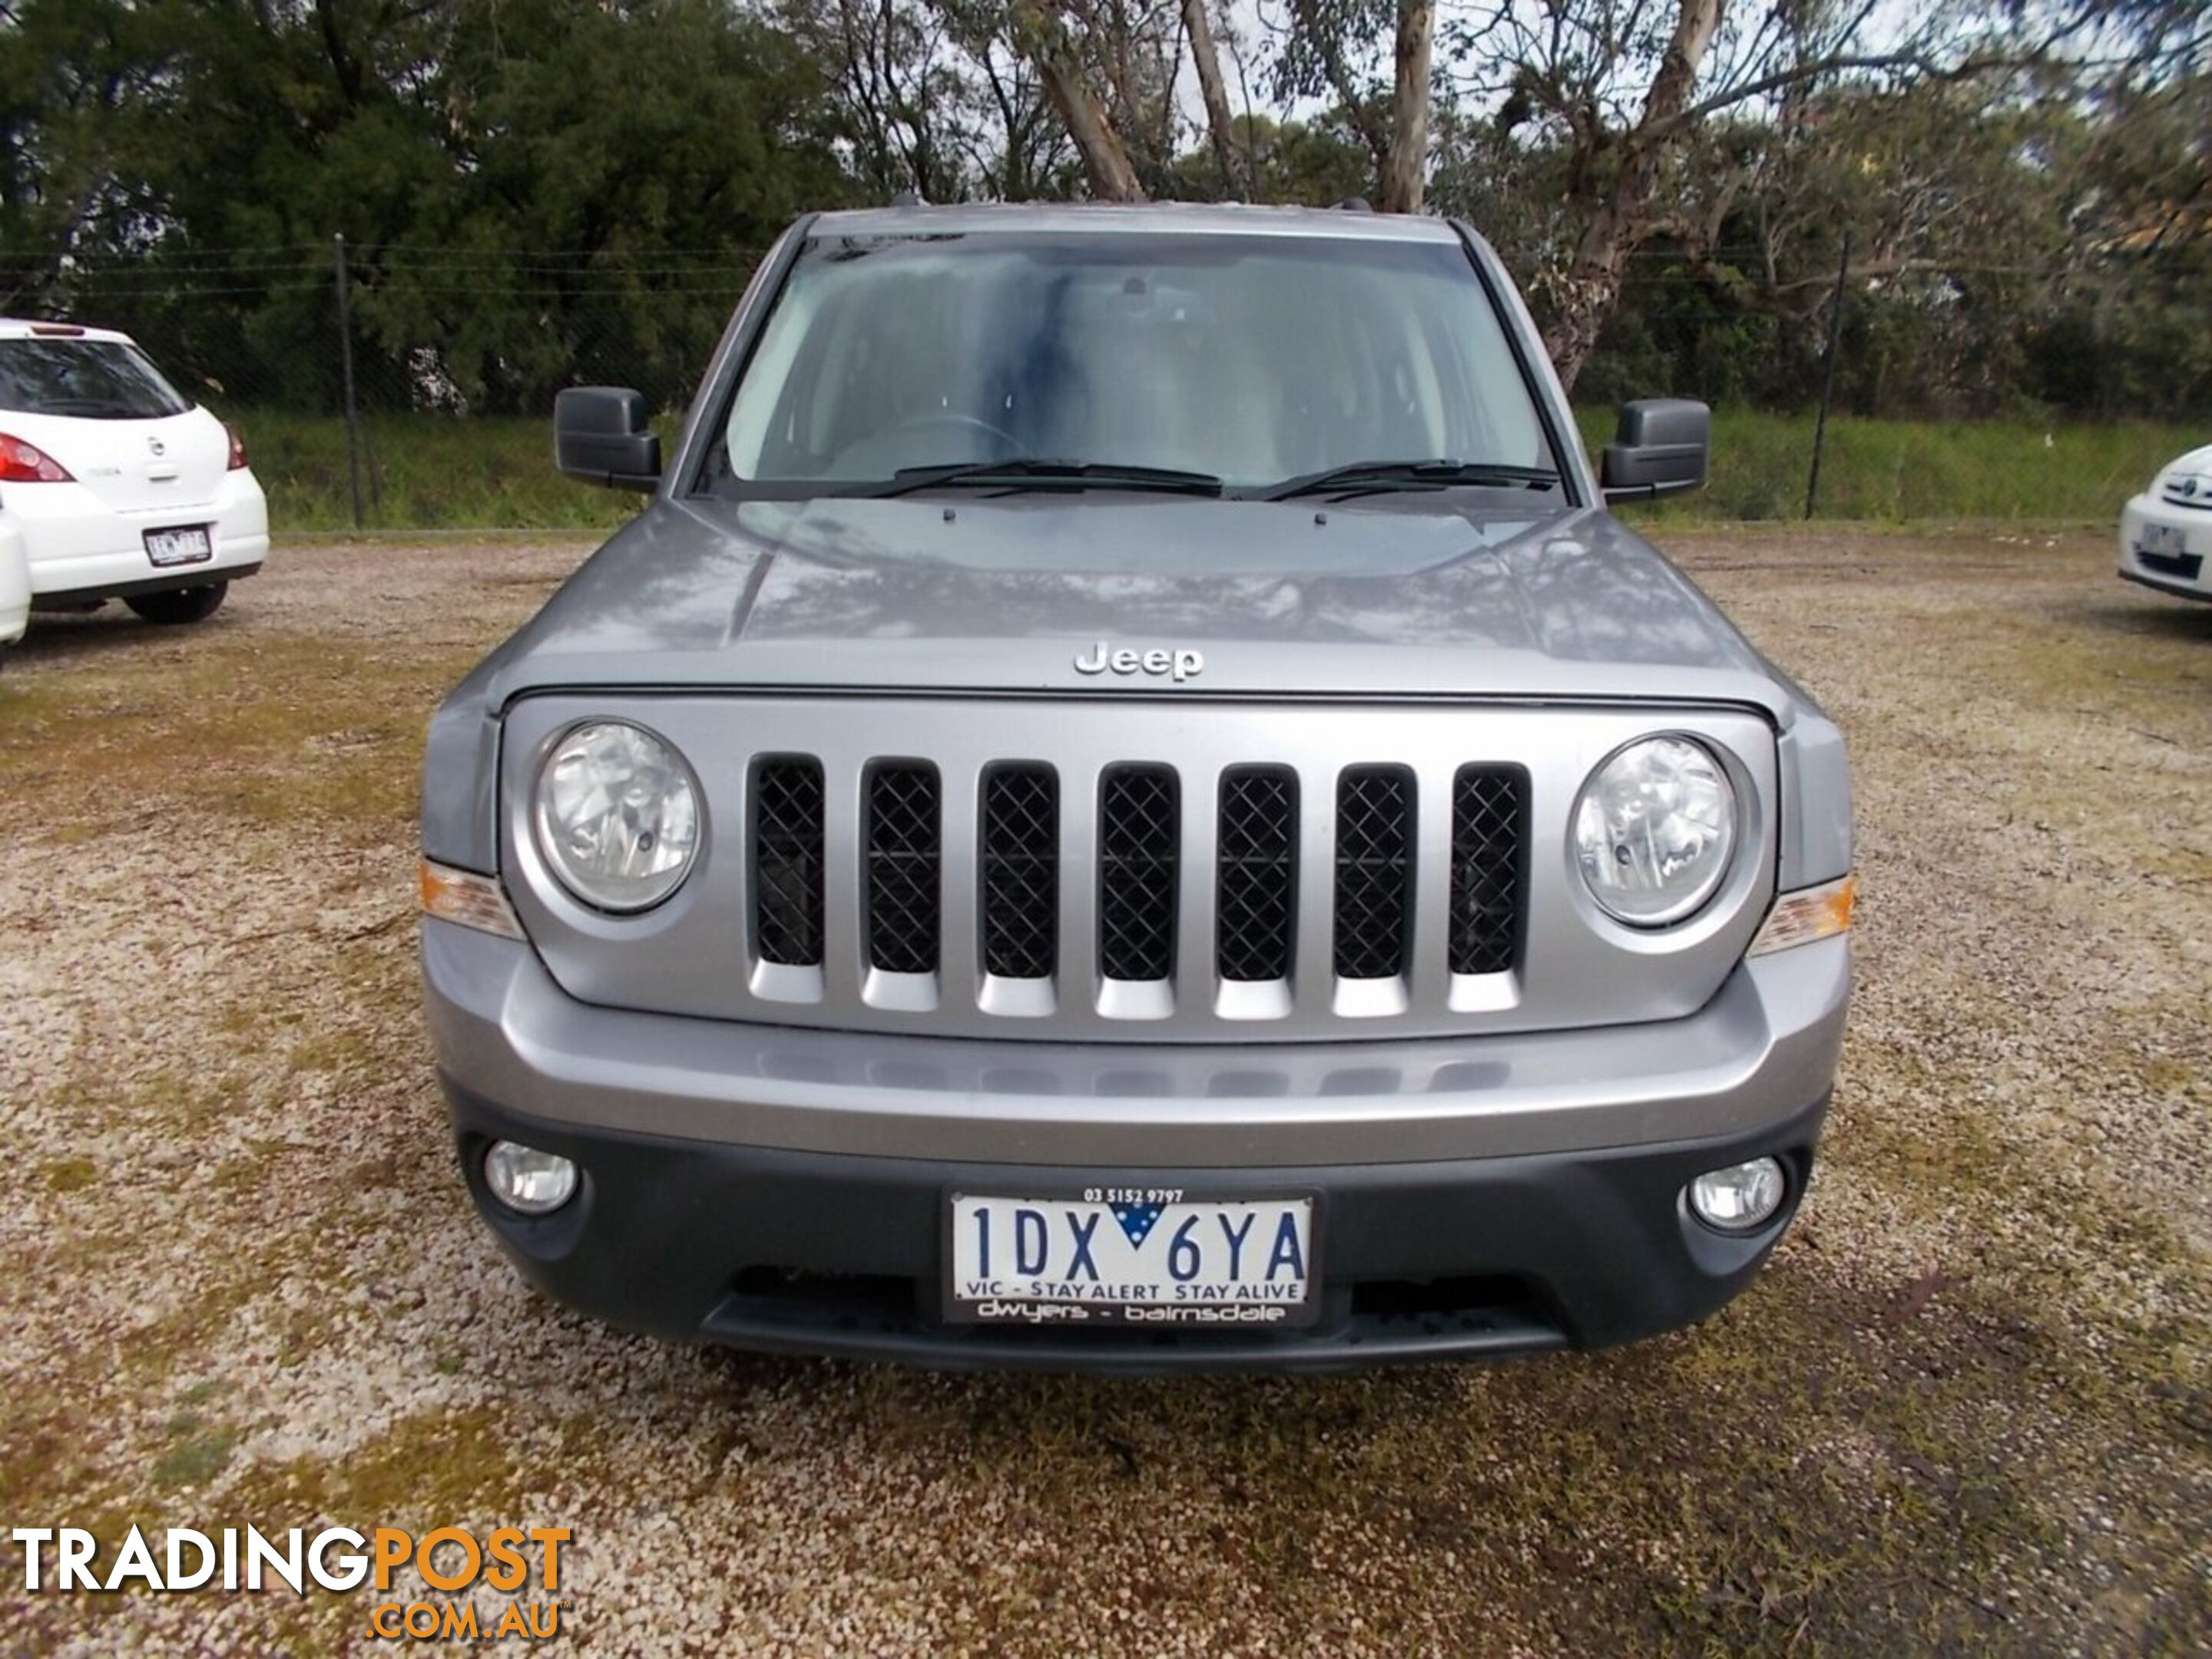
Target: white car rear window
[{"x": 91, "y": 380}]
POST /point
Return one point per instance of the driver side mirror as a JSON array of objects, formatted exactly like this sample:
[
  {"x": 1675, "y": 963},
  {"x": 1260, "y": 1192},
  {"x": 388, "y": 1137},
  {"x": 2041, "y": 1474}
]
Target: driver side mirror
[
  {"x": 1659, "y": 448},
  {"x": 600, "y": 434}
]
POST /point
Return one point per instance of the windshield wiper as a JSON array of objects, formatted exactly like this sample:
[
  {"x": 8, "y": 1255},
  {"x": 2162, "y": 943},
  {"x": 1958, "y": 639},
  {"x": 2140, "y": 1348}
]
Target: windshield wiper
[
  {"x": 1046, "y": 474},
  {"x": 1358, "y": 476}
]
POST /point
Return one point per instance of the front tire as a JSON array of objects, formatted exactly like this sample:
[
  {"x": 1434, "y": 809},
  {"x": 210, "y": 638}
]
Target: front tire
[{"x": 179, "y": 605}]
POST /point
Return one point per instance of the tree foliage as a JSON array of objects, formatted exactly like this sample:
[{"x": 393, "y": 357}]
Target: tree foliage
[{"x": 532, "y": 191}]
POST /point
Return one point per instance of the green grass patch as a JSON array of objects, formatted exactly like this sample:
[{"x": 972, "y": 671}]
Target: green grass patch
[
  {"x": 1893, "y": 471},
  {"x": 435, "y": 473},
  {"x": 423, "y": 472},
  {"x": 196, "y": 1453}
]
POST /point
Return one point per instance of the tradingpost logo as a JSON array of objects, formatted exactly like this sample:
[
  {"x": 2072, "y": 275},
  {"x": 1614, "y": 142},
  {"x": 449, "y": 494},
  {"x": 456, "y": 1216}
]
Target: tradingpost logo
[{"x": 66, "y": 1560}]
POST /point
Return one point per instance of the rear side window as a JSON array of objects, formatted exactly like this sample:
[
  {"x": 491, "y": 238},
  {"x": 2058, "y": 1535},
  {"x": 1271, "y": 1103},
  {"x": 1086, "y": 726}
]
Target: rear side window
[{"x": 92, "y": 379}]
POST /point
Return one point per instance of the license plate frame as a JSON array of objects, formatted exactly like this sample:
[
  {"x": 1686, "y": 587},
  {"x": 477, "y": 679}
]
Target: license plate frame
[
  {"x": 2162, "y": 541},
  {"x": 174, "y": 545},
  {"x": 1013, "y": 1304}
]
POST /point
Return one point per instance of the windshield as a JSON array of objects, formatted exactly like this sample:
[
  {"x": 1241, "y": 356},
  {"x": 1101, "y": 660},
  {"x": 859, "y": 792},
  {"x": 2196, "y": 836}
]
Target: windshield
[
  {"x": 94, "y": 380},
  {"x": 1255, "y": 359}
]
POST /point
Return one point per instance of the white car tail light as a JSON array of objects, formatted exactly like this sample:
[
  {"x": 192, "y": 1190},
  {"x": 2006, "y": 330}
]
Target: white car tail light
[
  {"x": 237, "y": 448},
  {"x": 23, "y": 462}
]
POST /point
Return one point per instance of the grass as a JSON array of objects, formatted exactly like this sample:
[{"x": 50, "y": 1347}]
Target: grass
[
  {"x": 1890, "y": 471},
  {"x": 424, "y": 472},
  {"x": 1946, "y": 1441}
]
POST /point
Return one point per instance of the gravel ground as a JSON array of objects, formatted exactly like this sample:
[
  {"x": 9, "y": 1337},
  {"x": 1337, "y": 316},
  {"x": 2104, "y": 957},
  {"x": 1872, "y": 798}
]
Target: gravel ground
[{"x": 1969, "y": 1406}]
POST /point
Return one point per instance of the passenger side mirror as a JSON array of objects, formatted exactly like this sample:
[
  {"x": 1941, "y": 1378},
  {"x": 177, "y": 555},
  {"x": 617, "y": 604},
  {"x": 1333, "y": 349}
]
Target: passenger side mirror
[
  {"x": 1658, "y": 448},
  {"x": 600, "y": 435}
]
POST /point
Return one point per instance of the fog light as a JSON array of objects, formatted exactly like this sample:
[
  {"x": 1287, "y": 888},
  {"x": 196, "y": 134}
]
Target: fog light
[
  {"x": 1740, "y": 1197},
  {"x": 526, "y": 1180}
]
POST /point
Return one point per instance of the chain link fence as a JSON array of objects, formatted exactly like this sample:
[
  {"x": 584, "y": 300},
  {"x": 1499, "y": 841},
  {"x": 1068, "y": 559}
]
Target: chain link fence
[
  {"x": 409, "y": 387},
  {"x": 396, "y": 385}
]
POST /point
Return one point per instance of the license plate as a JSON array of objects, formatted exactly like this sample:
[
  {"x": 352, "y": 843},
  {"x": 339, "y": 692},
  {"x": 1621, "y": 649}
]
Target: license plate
[
  {"x": 1158, "y": 1258},
  {"x": 2162, "y": 541},
  {"x": 188, "y": 545}
]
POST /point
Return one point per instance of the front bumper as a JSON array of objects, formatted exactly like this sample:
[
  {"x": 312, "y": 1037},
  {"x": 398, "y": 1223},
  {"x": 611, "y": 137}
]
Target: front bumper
[
  {"x": 783, "y": 1189},
  {"x": 2183, "y": 565},
  {"x": 834, "y": 1255}
]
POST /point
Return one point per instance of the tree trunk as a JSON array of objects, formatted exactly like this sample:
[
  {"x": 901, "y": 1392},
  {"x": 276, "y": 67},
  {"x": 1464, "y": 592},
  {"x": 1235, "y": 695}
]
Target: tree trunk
[
  {"x": 1405, "y": 173},
  {"x": 1586, "y": 293},
  {"x": 1220, "y": 122},
  {"x": 1105, "y": 161},
  {"x": 1584, "y": 296}
]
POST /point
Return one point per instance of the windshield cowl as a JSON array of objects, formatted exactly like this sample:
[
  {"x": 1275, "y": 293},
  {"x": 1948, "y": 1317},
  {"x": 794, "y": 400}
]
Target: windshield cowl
[{"x": 1022, "y": 473}]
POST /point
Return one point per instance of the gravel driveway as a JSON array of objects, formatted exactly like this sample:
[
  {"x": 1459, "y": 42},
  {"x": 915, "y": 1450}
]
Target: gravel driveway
[{"x": 1969, "y": 1406}]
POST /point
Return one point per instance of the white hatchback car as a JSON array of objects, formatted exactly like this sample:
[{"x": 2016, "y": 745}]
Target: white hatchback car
[
  {"x": 2165, "y": 532},
  {"x": 114, "y": 485}
]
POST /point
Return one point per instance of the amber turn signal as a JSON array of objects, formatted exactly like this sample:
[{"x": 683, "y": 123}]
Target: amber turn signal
[
  {"x": 470, "y": 899},
  {"x": 1811, "y": 913}
]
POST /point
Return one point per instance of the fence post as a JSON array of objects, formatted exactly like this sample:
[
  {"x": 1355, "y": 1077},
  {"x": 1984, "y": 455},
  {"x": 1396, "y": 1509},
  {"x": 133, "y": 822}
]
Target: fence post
[
  {"x": 1828, "y": 379},
  {"x": 345, "y": 358}
]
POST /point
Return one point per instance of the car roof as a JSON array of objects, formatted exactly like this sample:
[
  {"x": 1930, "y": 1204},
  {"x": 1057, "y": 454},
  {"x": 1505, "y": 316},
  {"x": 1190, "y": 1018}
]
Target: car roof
[
  {"x": 25, "y": 328},
  {"x": 1233, "y": 218}
]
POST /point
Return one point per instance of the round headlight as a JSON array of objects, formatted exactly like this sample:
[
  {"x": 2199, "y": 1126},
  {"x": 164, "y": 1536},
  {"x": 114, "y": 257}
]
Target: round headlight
[
  {"x": 618, "y": 816},
  {"x": 1654, "y": 830}
]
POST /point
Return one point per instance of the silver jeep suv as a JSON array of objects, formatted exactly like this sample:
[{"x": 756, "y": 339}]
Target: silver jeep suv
[{"x": 1126, "y": 806}]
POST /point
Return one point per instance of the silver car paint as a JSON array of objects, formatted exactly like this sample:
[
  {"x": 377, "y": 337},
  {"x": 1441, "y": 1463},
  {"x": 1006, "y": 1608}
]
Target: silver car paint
[
  {"x": 1483, "y": 608},
  {"x": 1487, "y": 602},
  {"x": 1759, "y": 1051}
]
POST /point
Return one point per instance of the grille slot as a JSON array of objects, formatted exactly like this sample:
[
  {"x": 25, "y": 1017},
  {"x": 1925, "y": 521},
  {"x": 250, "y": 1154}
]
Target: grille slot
[
  {"x": 1374, "y": 870},
  {"x": 1256, "y": 865},
  {"x": 786, "y": 797},
  {"x": 1488, "y": 809},
  {"x": 1019, "y": 859},
  {"x": 903, "y": 853},
  {"x": 1139, "y": 826}
]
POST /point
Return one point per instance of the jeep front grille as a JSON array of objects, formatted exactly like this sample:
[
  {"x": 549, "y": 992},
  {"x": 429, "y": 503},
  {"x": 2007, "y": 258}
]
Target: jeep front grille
[
  {"x": 1136, "y": 883},
  {"x": 1143, "y": 870}
]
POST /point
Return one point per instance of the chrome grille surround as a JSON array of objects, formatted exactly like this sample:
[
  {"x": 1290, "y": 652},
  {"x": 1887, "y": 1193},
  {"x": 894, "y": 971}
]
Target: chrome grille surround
[{"x": 1489, "y": 941}]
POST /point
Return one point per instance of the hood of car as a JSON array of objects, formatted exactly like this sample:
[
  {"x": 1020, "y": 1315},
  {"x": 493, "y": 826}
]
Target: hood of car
[
  {"x": 1093, "y": 594},
  {"x": 2196, "y": 464}
]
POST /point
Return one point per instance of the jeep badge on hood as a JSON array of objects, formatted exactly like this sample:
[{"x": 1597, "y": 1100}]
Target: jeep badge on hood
[{"x": 1178, "y": 665}]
